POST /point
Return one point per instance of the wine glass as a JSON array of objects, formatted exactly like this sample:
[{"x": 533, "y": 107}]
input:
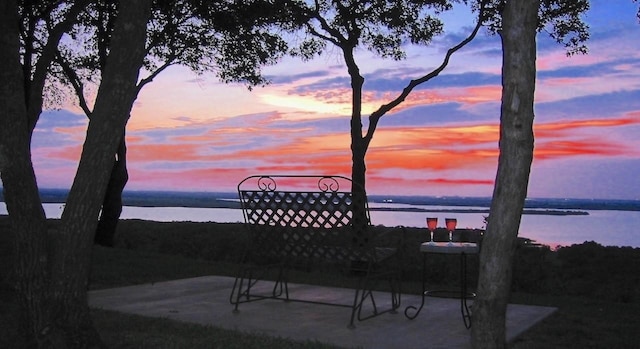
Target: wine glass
[
  {"x": 432, "y": 223},
  {"x": 451, "y": 226}
]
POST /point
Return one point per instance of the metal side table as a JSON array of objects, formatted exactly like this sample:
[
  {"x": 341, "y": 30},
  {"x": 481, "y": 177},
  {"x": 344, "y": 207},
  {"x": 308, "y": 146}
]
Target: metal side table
[{"x": 460, "y": 248}]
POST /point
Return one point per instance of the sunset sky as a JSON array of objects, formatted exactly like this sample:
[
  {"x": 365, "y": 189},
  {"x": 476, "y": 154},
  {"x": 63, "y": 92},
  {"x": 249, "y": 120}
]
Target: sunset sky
[{"x": 192, "y": 133}]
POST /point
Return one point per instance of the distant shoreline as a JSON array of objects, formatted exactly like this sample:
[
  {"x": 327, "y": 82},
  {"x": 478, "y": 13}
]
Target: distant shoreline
[
  {"x": 388, "y": 203},
  {"x": 223, "y": 204},
  {"x": 474, "y": 210}
]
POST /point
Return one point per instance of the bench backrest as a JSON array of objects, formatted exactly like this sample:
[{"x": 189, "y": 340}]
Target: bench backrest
[{"x": 302, "y": 216}]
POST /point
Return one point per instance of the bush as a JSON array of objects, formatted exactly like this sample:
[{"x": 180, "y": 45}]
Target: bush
[{"x": 588, "y": 269}]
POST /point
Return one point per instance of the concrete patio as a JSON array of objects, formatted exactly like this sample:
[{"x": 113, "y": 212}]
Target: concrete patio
[{"x": 205, "y": 300}]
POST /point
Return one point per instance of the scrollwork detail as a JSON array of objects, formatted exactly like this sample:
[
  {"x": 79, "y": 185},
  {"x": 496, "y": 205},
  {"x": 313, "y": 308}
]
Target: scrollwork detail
[
  {"x": 328, "y": 184},
  {"x": 266, "y": 183}
]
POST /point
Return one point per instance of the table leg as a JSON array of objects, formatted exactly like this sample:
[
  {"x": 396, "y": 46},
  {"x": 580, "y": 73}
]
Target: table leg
[
  {"x": 464, "y": 308},
  {"x": 423, "y": 294}
]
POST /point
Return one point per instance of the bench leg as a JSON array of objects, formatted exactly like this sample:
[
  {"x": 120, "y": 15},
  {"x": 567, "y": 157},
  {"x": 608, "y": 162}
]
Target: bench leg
[
  {"x": 396, "y": 292},
  {"x": 355, "y": 308},
  {"x": 238, "y": 291},
  {"x": 248, "y": 277},
  {"x": 365, "y": 292},
  {"x": 282, "y": 284}
]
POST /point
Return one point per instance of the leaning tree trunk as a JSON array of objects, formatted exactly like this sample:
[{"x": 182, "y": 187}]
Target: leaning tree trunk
[
  {"x": 78, "y": 223},
  {"x": 516, "y": 154},
  {"x": 112, "y": 203},
  {"x": 26, "y": 215}
]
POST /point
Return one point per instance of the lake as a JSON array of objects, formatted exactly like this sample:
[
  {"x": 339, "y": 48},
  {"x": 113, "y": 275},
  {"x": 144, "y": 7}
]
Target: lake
[{"x": 606, "y": 227}]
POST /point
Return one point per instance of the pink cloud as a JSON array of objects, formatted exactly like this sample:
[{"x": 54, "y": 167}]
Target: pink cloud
[{"x": 71, "y": 152}]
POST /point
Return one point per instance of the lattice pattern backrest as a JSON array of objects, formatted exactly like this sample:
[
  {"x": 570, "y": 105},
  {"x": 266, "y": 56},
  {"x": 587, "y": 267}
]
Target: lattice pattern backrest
[
  {"x": 328, "y": 210},
  {"x": 315, "y": 217}
]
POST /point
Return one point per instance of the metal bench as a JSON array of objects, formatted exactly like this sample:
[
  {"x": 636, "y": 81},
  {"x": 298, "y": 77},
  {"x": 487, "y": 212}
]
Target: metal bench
[{"x": 315, "y": 222}]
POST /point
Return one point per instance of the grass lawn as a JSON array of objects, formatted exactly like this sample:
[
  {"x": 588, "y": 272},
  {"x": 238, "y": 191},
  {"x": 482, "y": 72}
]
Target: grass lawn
[
  {"x": 581, "y": 323},
  {"x": 132, "y": 331},
  {"x": 150, "y": 252}
]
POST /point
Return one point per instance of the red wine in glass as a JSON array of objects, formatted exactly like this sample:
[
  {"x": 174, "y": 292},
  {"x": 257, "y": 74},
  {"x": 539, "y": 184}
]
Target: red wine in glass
[
  {"x": 432, "y": 223},
  {"x": 451, "y": 226}
]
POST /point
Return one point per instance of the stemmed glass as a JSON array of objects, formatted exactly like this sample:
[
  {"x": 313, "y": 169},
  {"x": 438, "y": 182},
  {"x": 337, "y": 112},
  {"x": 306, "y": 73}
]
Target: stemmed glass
[
  {"x": 451, "y": 226},
  {"x": 432, "y": 223}
]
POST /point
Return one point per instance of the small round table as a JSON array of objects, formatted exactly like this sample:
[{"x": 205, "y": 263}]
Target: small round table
[{"x": 460, "y": 248}]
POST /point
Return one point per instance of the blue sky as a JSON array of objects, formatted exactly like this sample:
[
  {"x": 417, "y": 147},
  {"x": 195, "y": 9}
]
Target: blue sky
[{"x": 192, "y": 133}]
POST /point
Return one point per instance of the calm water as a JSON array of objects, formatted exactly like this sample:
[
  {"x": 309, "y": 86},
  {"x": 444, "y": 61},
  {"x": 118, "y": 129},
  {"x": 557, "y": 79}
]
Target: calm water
[{"x": 609, "y": 228}]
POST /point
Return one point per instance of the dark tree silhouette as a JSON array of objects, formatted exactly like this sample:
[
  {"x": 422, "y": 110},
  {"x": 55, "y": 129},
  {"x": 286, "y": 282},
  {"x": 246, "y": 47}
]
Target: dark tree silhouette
[
  {"x": 52, "y": 265},
  {"x": 180, "y": 32}
]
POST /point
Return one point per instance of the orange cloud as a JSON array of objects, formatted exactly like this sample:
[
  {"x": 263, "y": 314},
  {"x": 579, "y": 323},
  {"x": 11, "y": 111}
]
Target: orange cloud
[
  {"x": 558, "y": 139},
  {"x": 466, "y": 181},
  {"x": 548, "y": 129},
  {"x": 411, "y": 186},
  {"x": 563, "y": 149},
  {"x": 430, "y": 137},
  {"x": 431, "y": 160},
  {"x": 164, "y": 152}
]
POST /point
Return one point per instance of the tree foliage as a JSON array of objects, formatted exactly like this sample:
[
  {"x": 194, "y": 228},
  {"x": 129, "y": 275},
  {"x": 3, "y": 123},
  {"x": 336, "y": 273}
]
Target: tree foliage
[
  {"x": 42, "y": 24},
  {"x": 562, "y": 20},
  {"x": 190, "y": 33},
  {"x": 246, "y": 37},
  {"x": 183, "y": 32},
  {"x": 382, "y": 27}
]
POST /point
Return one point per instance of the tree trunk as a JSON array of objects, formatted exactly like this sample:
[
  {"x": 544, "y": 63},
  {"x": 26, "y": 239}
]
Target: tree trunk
[
  {"x": 113, "y": 104},
  {"x": 26, "y": 215},
  {"x": 514, "y": 165},
  {"x": 358, "y": 151},
  {"x": 112, "y": 204},
  {"x": 52, "y": 268}
]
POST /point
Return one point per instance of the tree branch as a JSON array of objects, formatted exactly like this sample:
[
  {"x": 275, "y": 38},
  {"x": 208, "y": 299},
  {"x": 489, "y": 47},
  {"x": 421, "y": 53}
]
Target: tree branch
[
  {"x": 325, "y": 25},
  {"x": 374, "y": 118},
  {"x": 34, "y": 105},
  {"x": 75, "y": 81},
  {"x": 153, "y": 75},
  {"x": 316, "y": 33}
]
